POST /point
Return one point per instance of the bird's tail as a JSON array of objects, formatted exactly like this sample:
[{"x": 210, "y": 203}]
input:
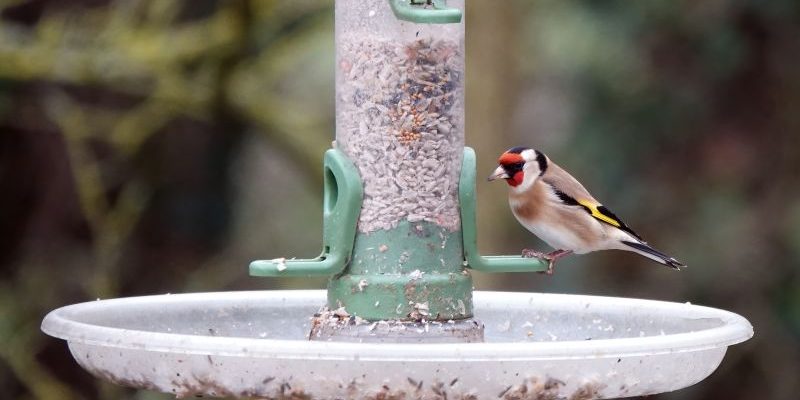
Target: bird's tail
[{"x": 653, "y": 254}]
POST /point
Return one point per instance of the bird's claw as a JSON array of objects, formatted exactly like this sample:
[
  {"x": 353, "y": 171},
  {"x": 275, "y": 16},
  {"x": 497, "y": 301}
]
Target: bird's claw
[
  {"x": 530, "y": 253},
  {"x": 550, "y": 267},
  {"x": 549, "y": 257}
]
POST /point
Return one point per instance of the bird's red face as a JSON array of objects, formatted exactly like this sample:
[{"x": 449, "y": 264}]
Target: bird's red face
[{"x": 510, "y": 169}]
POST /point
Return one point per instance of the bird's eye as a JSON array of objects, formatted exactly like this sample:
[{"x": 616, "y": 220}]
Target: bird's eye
[{"x": 514, "y": 166}]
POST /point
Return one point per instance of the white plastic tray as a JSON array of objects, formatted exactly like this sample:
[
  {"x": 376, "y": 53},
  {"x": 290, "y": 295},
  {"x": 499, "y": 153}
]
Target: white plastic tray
[{"x": 254, "y": 344}]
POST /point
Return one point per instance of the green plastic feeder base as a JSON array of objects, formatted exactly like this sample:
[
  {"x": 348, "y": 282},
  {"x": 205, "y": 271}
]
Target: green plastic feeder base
[{"x": 415, "y": 271}]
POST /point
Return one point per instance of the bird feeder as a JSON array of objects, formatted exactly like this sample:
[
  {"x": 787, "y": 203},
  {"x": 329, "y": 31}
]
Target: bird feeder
[
  {"x": 394, "y": 231},
  {"x": 399, "y": 318}
]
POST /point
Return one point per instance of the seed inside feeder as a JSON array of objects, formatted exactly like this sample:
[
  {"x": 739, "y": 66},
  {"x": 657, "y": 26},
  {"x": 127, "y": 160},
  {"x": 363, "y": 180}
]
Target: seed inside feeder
[{"x": 400, "y": 119}]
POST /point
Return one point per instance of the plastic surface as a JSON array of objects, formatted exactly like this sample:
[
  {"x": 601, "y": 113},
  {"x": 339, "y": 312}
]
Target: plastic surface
[
  {"x": 417, "y": 275},
  {"x": 254, "y": 344},
  {"x": 341, "y": 205},
  {"x": 395, "y": 331},
  {"x": 420, "y": 11},
  {"x": 400, "y": 113},
  {"x": 400, "y": 120}
]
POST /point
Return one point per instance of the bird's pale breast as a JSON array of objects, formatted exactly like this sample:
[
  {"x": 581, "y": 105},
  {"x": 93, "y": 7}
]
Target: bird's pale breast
[{"x": 560, "y": 226}]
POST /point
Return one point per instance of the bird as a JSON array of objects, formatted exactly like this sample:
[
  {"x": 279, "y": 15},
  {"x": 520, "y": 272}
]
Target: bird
[{"x": 554, "y": 206}]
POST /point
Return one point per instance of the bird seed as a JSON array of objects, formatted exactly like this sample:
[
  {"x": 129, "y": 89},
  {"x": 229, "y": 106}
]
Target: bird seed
[{"x": 400, "y": 120}]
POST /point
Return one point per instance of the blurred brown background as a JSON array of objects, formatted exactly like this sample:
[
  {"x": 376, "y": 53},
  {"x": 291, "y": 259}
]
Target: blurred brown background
[{"x": 158, "y": 146}]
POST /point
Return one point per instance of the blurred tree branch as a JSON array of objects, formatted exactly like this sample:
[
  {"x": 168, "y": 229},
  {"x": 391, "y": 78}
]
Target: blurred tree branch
[
  {"x": 18, "y": 342},
  {"x": 231, "y": 64}
]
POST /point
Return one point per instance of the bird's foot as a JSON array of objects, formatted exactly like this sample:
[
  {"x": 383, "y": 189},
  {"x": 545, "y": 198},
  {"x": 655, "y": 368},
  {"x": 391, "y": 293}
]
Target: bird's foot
[
  {"x": 530, "y": 253},
  {"x": 549, "y": 257}
]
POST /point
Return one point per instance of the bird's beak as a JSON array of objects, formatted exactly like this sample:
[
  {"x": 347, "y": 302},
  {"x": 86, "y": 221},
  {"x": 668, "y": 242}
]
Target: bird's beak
[{"x": 499, "y": 173}]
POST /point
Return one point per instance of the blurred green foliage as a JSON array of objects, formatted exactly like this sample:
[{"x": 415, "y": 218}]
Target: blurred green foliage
[{"x": 159, "y": 146}]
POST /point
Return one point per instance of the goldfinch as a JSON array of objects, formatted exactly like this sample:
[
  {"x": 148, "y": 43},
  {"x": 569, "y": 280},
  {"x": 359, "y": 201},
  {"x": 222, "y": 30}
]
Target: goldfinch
[{"x": 554, "y": 206}]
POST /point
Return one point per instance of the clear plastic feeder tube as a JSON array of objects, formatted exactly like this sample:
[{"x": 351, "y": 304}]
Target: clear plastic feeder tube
[
  {"x": 400, "y": 119},
  {"x": 400, "y": 113}
]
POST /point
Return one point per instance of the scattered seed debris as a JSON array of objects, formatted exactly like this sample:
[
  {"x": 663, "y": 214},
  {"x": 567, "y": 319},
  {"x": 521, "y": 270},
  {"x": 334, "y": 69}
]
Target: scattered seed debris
[
  {"x": 587, "y": 391},
  {"x": 281, "y": 263},
  {"x": 341, "y": 313},
  {"x": 420, "y": 312},
  {"x": 534, "y": 388}
]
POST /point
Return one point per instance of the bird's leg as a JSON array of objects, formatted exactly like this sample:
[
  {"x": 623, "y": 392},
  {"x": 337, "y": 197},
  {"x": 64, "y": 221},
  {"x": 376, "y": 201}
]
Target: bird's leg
[
  {"x": 549, "y": 257},
  {"x": 553, "y": 256}
]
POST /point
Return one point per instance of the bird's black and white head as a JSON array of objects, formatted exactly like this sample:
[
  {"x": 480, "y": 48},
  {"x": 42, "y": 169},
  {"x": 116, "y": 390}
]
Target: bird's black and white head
[{"x": 519, "y": 166}]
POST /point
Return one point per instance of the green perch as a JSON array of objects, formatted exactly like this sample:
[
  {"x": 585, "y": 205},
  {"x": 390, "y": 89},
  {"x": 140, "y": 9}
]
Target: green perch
[{"x": 411, "y": 270}]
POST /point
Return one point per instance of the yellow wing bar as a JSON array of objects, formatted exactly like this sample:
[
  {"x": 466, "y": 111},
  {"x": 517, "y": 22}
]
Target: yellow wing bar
[
  {"x": 597, "y": 211},
  {"x": 601, "y": 213}
]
